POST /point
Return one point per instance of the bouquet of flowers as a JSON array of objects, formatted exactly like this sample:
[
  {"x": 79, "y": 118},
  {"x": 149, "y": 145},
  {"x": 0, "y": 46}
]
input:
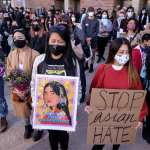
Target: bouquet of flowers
[{"x": 20, "y": 83}]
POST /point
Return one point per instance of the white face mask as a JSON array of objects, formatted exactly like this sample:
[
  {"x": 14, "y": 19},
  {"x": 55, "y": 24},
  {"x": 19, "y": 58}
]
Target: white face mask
[
  {"x": 104, "y": 16},
  {"x": 122, "y": 59},
  {"x": 91, "y": 14},
  {"x": 143, "y": 12},
  {"x": 129, "y": 14},
  {"x": 121, "y": 16},
  {"x": 73, "y": 19}
]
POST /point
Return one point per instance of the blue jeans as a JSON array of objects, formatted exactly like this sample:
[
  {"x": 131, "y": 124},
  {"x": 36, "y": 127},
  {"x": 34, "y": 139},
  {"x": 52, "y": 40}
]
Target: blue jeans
[{"x": 3, "y": 104}]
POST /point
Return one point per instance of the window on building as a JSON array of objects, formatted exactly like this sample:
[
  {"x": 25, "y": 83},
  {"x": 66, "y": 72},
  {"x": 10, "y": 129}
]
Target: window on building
[{"x": 5, "y": 2}]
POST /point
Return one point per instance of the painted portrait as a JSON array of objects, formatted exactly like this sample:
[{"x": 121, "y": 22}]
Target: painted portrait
[{"x": 55, "y": 102}]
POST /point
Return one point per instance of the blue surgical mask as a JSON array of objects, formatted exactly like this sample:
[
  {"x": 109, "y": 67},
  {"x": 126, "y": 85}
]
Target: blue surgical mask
[{"x": 104, "y": 16}]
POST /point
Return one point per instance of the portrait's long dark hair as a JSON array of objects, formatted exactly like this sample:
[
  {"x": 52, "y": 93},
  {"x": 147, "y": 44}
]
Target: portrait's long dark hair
[
  {"x": 60, "y": 91},
  {"x": 113, "y": 49}
]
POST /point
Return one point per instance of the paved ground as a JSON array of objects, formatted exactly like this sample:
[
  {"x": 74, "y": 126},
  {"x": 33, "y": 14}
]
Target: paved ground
[{"x": 12, "y": 139}]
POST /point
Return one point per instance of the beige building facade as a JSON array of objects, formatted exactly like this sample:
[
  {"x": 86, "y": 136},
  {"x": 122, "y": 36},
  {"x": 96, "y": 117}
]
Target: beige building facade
[{"x": 77, "y": 4}]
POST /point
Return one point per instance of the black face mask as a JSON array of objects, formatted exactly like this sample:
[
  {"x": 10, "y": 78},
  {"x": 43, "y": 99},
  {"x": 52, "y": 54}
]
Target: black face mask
[
  {"x": 36, "y": 28},
  {"x": 57, "y": 49},
  {"x": 20, "y": 43}
]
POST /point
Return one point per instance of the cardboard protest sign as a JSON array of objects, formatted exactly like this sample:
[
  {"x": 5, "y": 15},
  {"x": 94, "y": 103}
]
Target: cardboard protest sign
[
  {"x": 55, "y": 102},
  {"x": 115, "y": 115}
]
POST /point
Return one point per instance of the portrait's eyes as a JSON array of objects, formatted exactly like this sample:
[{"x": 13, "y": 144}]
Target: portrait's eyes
[
  {"x": 49, "y": 92},
  {"x": 52, "y": 92}
]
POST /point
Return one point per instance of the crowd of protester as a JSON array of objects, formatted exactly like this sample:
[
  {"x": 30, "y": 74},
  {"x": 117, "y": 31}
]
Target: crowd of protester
[{"x": 36, "y": 41}]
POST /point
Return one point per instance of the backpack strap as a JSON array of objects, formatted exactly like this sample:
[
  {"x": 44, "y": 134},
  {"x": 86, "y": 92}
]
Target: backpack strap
[{"x": 133, "y": 37}]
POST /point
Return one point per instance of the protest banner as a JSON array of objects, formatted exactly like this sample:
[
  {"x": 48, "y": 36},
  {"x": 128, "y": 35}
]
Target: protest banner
[
  {"x": 55, "y": 102},
  {"x": 115, "y": 115}
]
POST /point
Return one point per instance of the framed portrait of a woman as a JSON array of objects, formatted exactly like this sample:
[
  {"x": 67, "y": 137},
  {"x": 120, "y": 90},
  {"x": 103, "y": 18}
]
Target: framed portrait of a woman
[{"x": 55, "y": 102}]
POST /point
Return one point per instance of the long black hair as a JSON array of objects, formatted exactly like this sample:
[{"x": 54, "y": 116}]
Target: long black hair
[
  {"x": 60, "y": 90},
  {"x": 69, "y": 56},
  {"x": 115, "y": 46},
  {"x": 132, "y": 73}
]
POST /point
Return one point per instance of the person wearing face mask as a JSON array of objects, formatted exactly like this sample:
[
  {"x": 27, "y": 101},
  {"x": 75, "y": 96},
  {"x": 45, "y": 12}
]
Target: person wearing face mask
[
  {"x": 143, "y": 19},
  {"x": 50, "y": 19},
  {"x": 130, "y": 14},
  {"x": 14, "y": 26},
  {"x": 73, "y": 18},
  {"x": 77, "y": 40},
  {"x": 90, "y": 27},
  {"x": 105, "y": 28},
  {"x": 6, "y": 30},
  {"x": 145, "y": 76},
  {"x": 21, "y": 58},
  {"x": 116, "y": 24},
  {"x": 118, "y": 66},
  {"x": 99, "y": 13},
  {"x": 131, "y": 33},
  {"x": 140, "y": 51},
  {"x": 58, "y": 60},
  {"x": 38, "y": 37}
]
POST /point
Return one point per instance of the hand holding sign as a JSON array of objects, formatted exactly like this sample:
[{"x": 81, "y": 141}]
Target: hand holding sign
[
  {"x": 115, "y": 115},
  {"x": 88, "y": 109},
  {"x": 139, "y": 125}
]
